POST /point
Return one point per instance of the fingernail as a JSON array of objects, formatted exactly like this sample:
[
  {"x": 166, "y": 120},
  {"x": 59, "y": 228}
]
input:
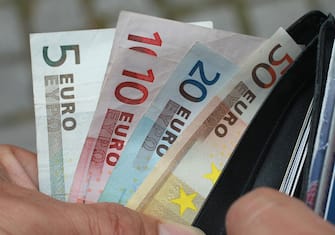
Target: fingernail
[{"x": 169, "y": 228}]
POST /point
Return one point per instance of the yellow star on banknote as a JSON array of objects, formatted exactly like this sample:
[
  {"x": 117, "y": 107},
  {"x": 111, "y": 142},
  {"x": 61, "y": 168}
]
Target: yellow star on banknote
[
  {"x": 214, "y": 175},
  {"x": 185, "y": 201}
]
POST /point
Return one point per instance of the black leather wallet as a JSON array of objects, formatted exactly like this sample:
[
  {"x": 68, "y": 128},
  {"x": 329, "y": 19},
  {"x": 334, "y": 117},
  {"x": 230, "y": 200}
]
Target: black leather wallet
[{"x": 263, "y": 153}]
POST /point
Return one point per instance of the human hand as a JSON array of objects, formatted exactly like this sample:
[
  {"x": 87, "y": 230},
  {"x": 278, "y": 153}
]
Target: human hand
[
  {"x": 24, "y": 210},
  {"x": 266, "y": 211}
]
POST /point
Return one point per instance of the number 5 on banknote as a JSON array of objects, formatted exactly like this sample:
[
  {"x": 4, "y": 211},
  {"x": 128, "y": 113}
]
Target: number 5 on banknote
[
  {"x": 68, "y": 69},
  {"x": 62, "y": 58}
]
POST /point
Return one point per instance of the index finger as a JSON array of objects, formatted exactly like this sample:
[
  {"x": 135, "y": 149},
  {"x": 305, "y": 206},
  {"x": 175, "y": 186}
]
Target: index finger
[{"x": 19, "y": 166}]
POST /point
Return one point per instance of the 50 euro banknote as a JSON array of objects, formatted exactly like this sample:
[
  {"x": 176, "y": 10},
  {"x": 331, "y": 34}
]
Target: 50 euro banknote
[
  {"x": 145, "y": 53},
  {"x": 181, "y": 181}
]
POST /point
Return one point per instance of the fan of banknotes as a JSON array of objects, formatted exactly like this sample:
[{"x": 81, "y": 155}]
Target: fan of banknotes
[{"x": 147, "y": 114}]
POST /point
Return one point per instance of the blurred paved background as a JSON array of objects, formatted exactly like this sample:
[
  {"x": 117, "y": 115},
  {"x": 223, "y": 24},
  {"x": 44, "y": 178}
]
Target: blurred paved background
[{"x": 20, "y": 17}]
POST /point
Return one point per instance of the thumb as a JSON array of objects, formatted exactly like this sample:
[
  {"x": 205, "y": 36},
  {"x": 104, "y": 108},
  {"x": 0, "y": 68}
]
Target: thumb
[
  {"x": 114, "y": 219},
  {"x": 266, "y": 211}
]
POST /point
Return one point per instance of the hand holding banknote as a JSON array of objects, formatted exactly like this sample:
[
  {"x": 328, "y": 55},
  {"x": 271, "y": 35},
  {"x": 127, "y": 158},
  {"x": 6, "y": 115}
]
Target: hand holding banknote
[
  {"x": 24, "y": 210},
  {"x": 18, "y": 182}
]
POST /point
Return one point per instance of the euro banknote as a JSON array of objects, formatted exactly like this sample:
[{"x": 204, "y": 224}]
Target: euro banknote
[
  {"x": 67, "y": 69},
  {"x": 181, "y": 181},
  {"x": 156, "y": 46},
  {"x": 196, "y": 79}
]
